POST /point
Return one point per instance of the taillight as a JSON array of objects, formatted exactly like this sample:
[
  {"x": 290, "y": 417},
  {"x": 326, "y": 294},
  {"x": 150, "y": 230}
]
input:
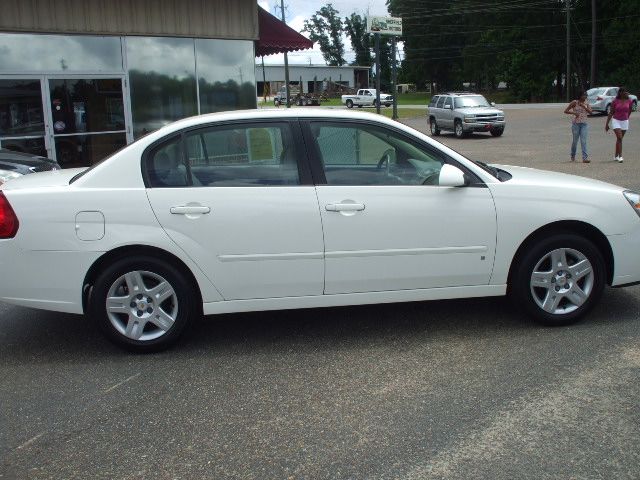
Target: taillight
[{"x": 8, "y": 220}]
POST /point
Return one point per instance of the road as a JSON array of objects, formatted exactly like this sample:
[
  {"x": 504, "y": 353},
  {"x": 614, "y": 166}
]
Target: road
[{"x": 429, "y": 390}]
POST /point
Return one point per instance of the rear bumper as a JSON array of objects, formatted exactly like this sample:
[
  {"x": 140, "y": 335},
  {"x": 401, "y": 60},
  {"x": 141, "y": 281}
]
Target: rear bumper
[{"x": 51, "y": 280}]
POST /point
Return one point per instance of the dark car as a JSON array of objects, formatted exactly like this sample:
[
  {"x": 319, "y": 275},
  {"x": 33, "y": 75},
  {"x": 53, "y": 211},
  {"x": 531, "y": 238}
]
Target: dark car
[{"x": 15, "y": 164}]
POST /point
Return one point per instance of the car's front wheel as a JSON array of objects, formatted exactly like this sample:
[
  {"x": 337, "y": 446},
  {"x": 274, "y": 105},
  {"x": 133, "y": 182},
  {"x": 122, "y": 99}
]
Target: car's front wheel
[
  {"x": 458, "y": 130},
  {"x": 496, "y": 132},
  {"x": 143, "y": 304},
  {"x": 559, "y": 279}
]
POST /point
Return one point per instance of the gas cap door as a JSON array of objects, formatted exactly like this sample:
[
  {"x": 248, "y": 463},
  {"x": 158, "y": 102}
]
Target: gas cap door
[{"x": 90, "y": 226}]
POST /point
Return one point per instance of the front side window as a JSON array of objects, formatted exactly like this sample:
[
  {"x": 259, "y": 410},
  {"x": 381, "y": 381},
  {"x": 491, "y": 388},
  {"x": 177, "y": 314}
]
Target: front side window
[
  {"x": 370, "y": 155},
  {"x": 246, "y": 155}
]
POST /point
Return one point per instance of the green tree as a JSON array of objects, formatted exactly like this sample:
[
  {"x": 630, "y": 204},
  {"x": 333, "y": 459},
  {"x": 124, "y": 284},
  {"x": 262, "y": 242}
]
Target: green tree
[
  {"x": 325, "y": 27},
  {"x": 355, "y": 27}
]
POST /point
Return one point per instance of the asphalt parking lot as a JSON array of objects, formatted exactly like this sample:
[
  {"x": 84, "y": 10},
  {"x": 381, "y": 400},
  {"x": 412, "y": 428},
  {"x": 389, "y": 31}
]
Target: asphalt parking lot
[{"x": 442, "y": 390}]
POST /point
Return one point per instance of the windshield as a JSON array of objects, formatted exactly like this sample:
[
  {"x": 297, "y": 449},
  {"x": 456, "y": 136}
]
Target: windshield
[
  {"x": 595, "y": 91},
  {"x": 471, "y": 101}
]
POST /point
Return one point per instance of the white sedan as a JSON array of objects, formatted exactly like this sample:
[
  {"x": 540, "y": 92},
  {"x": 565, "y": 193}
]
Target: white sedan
[{"x": 265, "y": 210}]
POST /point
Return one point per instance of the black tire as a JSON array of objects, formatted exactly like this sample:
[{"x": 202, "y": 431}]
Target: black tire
[
  {"x": 433, "y": 126},
  {"x": 349, "y": 103},
  {"x": 458, "y": 130},
  {"x": 182, "y": 306},
  {"x": 607, "y": 110},
  {"x": 497, "y": 132},
  {"x": 529, "y": 297}
]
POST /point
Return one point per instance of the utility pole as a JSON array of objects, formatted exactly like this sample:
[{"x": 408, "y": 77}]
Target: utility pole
[
  {"x": 592, "y": 77},
  {"x": 286, "y": 61},
  {"x": 567, "y": 79},
  {"x": 377, "y": 73},
  {"x": 394, "y": 78}
]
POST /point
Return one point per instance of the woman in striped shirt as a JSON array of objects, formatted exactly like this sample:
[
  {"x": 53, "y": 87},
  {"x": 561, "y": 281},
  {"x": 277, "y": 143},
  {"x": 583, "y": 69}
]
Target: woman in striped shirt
[{"x": 579, "y": 108}]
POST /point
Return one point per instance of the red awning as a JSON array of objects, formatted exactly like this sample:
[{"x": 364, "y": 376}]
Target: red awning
[{"x": 277, "y": 37}]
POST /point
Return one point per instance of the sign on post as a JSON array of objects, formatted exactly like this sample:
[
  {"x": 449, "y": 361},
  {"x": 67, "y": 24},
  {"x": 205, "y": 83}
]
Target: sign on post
[{"x": 384, "y": 25}]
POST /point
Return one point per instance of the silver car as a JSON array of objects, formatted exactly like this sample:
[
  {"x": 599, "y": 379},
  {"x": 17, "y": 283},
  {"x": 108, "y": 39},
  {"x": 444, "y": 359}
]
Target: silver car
[
  {"x": 600, "y": 99},
  {"x": 464, "y": 113}
]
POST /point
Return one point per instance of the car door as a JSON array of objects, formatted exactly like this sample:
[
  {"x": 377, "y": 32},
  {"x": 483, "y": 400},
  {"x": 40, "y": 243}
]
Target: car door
[
  {"x": 439, "y": 111},
  {"x": 239, "y": 200},
  {"x": 387, "y": 223},
  {"x": 447, "y": 112}
]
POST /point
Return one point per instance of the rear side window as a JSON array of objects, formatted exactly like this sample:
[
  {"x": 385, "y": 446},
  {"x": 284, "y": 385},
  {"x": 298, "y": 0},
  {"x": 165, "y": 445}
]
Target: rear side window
[
  {"x": 448, "y": 102},
  {"x": 441, "y": 102},
  {"x": 165, "y": 166},
  {"x": 434, "y": 101},
  {"x": 242, "y": 155}
]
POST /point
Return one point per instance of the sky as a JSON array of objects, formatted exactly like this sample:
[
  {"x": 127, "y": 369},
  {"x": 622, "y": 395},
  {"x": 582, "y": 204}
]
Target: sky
[{"x": 297, "y": 11}]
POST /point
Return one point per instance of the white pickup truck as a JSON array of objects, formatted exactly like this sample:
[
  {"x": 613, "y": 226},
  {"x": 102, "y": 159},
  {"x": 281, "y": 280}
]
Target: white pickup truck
[{"x": 366, "y": 97}]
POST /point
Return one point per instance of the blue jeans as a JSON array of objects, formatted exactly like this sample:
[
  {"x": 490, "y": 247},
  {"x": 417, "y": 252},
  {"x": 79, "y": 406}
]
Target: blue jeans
[{"x": 581, "y": 131}]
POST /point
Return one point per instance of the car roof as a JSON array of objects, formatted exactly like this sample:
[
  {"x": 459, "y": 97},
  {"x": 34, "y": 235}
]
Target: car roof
[
  {"x": 271, "y": 114},
  {"x": 460, "y": 94}
]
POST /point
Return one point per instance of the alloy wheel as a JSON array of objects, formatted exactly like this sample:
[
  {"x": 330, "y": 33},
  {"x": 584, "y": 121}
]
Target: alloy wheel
[
  {"x": 562, "y": 281},
  {"x": 142, "y": 305}
]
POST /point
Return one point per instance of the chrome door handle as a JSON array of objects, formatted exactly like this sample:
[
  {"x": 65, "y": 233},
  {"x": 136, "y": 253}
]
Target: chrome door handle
[
  {"x": 344, "y": 207},
  {"x": 189, "y": 209}
]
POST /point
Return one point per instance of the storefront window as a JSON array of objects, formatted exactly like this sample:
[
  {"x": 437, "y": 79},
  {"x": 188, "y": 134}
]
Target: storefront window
[
  {"x": 59, "y": 53},
  {"x": 162, "y": 81},
  {"x": 226, "y": 75}
]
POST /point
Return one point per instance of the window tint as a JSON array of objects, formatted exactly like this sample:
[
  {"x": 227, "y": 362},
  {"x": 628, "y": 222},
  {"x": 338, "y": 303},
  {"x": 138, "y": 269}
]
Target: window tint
[
  {"x": 447, "y": 103},
  {"x": 441, "y": 102},
  {"x": 369, "y": 155},
  {"x": 165, "y": 166},
  {"x": 247, "y": 155},
  {"x": 433, "y": 101}
]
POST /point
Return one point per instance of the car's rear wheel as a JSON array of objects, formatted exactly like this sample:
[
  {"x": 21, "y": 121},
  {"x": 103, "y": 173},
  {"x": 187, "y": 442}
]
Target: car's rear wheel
[
  {"x": 433, "y": 125},
  {"x": 458, "y": 130},
  {"x": 559, "y": 279},
  {"x": 143, "y": 304},
  {"x": 349, "y": 103}
]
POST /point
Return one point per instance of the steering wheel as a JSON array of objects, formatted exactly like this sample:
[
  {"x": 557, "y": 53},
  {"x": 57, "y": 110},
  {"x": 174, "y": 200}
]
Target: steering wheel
[{"x": 386, "y": 157}]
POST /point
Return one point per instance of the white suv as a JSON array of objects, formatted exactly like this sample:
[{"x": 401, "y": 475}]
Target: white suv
[{"x": 464, "y": 113}]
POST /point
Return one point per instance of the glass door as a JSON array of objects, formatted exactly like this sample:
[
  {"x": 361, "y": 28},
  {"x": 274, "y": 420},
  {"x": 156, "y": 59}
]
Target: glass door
[
  {"x": 88, "y": 120},
  {"x": 22, "y": 125}
]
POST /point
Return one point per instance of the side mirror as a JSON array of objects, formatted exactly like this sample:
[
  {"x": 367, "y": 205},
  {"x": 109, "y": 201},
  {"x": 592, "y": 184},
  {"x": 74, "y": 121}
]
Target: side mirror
[
  {"x": 451, "y": 176},
  {"x": 493, "y": 104}
]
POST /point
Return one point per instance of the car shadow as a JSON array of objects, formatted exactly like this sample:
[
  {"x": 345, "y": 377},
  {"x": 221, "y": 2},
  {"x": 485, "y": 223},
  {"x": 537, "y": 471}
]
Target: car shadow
[{"x": 32, "y": 336}]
